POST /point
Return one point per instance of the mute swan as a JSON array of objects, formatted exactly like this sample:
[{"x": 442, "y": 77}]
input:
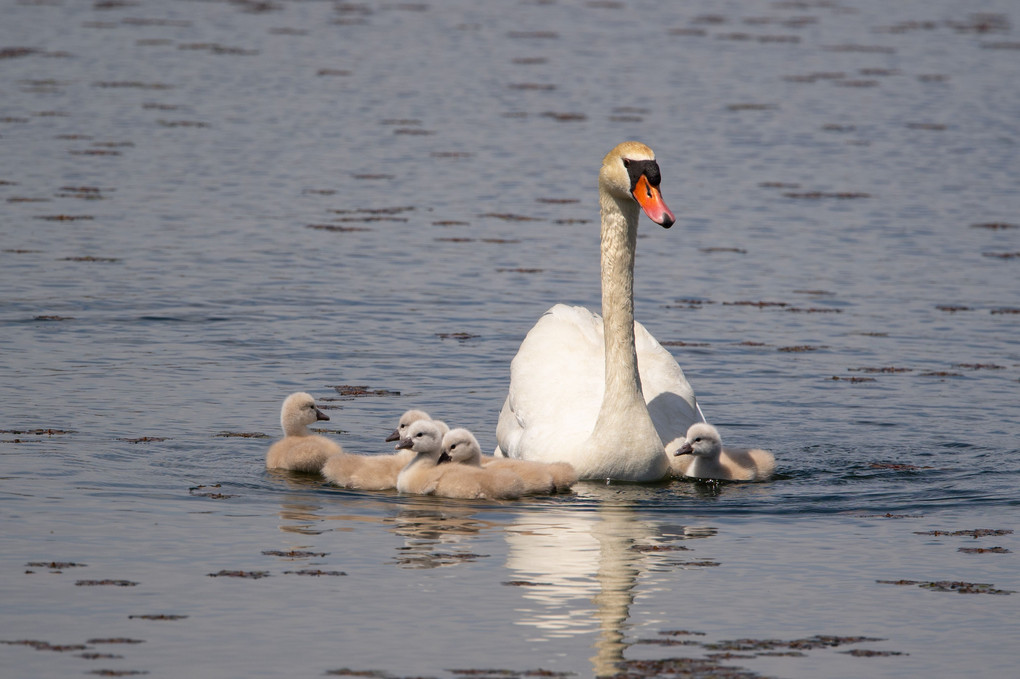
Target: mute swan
[
  {"x": 431, "y": 473},
  {"x": 603, "y": 395},
  {"x": 703, "y": 457},
  {"x": 299, "y": 450},
  {"x": 374, "y": 472},
  {"x": 460, "y": 445}
]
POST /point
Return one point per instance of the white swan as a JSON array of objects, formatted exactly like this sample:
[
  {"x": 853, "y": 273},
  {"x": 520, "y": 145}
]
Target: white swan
[
  {"x": 299, "y": 450},
  {"x": 461, "y": 446},
  {"x": 374, "y": 472},
  {"x": 430, "y": 473},
  {"x": 702, "y": 456},
  {"x": 600, "y": 392}
]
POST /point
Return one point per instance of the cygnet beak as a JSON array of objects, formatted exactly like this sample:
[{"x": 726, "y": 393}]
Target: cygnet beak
[
  {"x": 395, "y": 436},
  {"x": 404, "y": 444},
  {"x": 443, "y": 457},
  {"x": 685, "y": 449},
  {"x": 319, "y": 415}
]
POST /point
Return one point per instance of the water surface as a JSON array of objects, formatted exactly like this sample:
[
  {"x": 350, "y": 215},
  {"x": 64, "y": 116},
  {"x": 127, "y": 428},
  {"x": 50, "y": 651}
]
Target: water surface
[{"x": 209, "y": 205}]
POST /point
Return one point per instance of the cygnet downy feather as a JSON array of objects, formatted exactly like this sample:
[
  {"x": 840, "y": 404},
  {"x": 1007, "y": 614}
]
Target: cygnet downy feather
[
  {"x": 300, "y": 450},
  {"x": 702, "y": 456},
  {"x": 374, "y": 472},
  {"x": 538, "y": 477},
  {"x": 430, "y": 472}
]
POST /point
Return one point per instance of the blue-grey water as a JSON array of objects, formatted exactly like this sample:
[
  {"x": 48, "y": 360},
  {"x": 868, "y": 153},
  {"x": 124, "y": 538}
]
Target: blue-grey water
[{"x": 209, "y": 205}]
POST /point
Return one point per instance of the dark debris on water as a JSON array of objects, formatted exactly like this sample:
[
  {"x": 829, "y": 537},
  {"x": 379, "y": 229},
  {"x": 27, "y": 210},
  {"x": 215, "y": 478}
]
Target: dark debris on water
[
  {"x": 957, "y": 586},
  {"x": 360, "y": 390},
  {"x": 243, "y": 435},
  {"x": 44, "y": 645},
  {"x": 250, "y": 575},
  {"x": 115, "y": 640},
  {"x": 974, "y": 533},
  {"x": 157, "y": 616},
  {"x": 293, "y": 553},
  {"x": 55, "y": 565},
  {"x": 315, "y": 572}
]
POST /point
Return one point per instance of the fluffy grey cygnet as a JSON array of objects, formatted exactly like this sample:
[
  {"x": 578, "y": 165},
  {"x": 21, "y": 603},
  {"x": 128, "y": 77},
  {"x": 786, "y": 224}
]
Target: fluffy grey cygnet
[
  {"x": 538, "y": 477},
  {"x": 431, "y": 473},
  {"x": 702, "y": 456},
  {"x": 375, "y": 472},
  {"x": 300, "y": 450}
]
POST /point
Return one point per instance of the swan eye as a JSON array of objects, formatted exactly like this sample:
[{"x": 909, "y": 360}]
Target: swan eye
[
  {"x": 626, "y": 162},
  {"x": 649, "y": 169}
]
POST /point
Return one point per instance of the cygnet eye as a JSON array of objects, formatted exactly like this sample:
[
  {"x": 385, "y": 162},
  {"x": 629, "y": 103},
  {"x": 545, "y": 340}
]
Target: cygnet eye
[{"x": 452, "y": 446}]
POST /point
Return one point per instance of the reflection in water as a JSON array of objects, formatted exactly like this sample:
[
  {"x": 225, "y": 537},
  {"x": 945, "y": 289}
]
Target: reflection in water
[
  {"x": 576, "y": 560},
  {"x": 299, "y": 509},
  {"x": 570, "y": 561},
  {"x": 617, "y": 577},
  {"x": 437, "y": 533}
]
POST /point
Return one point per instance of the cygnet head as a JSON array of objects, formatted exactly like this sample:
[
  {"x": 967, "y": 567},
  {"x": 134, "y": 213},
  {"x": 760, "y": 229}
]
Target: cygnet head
[
  {"x": 299, "y": 411},
  {"x": 630, "y": 172},
  {"x": 702, "y": 441},
  {"x": 460, "y": 445},
  {"x": 425, "y": 437},
  {"x": 406, "y": 420}
]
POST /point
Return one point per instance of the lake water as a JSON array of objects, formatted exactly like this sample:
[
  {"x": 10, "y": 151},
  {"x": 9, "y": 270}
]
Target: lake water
[{"x": 209, "y": 205}]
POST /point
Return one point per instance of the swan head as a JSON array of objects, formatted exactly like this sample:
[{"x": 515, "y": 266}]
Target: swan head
[
  {"x": 702, "y": 441},
  {"x": 299, "y": 411},
  {"x": 460, "y": 445},
  {"x": 406, "y": 420},
  {"x": 630, "y": 172},
  {"x": 424, "y": 437}
]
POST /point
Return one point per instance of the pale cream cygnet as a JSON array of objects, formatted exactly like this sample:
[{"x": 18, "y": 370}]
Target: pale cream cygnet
[
  {"x": 430, "y": 472},
  {"x": 374, "y": 472},
  {"x": 702, "y": 456},
  {"x": 539, "y": 477},
  {"x": 300, "y": 450},
  {"x": 406, "y": 420}
]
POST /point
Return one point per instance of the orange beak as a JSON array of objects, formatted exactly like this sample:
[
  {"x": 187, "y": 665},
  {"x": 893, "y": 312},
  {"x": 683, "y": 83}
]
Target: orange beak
[{"x": 650, "y": 200}]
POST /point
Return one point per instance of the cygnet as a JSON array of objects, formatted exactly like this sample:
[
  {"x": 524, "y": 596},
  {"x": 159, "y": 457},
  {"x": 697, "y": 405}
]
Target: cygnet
[
  {"x": 406, "y": 420},
  {"x": 300, "y": 450},
  {"x": 431, "y": 473},
  {"x": 538, "y": 477},
  {"x": 702, "y": 456},
  {"x": 365, "y": 472},
  {"x": 374, "y": 472}
]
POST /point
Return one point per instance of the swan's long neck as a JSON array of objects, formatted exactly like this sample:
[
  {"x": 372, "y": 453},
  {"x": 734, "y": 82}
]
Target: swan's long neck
[
  {"x": 624, "y": 437},
  {"x": 619, "y": 242}
]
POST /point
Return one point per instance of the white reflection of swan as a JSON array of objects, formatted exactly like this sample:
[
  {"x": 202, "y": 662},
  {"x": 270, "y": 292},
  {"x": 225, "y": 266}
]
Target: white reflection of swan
[{"x": 573, "y": 560}]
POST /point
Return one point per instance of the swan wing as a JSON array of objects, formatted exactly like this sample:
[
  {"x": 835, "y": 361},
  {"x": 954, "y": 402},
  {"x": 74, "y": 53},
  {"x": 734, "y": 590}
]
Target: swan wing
[
  {"x": 556, "y": 384},
  {"x": 670, "y": 398}
]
